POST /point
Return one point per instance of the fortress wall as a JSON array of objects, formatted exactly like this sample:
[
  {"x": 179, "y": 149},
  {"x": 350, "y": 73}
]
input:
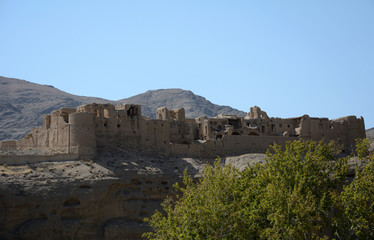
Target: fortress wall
[
  {"x": 343, "y": 130},
  {"x": 114, "y": 127},
  {"x": 155, "y": 136},
  {"x": 26, "y": 142},
  {"x": 180, "y": 132},
  {"x": 320, "y": 128},
  {"x": 53, "y": 134},
  {"x": 187, "y": 150},
  {"x": 82, "y": 133},
  {"x": 41, "y": 137},
  {"x": 346, "y": 130},
  {"x": 105, "y": 121},
  {"x": 8, "y": 144},
  {"x": 234, "y": 145},
  {"x": 178, "y": 114},
  {"x": 162, "y": 113},
  {"x": 277, "y": 125},
  {"x": 304, "y": 128},
  {"x": 100, "y": 127},
  {"x": 229, "y": 145},
  {"x": 104, "y": 116},
  {"x": 206, "y": 130},
  {"x": 38, "y": 137},
  {"x": 59, "y": 130},
  {"x": 25, "y": 159}
]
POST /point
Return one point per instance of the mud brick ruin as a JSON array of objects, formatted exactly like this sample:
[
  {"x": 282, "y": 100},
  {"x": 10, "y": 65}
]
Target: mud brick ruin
[{"x": 88, "y": 129}]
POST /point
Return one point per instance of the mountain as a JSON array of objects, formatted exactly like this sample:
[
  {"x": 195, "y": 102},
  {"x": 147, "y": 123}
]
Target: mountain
[
  {"x": 370, "y": 133},
  {"x": 194, "y": 105},
  {"x": 23, "y": 103}
]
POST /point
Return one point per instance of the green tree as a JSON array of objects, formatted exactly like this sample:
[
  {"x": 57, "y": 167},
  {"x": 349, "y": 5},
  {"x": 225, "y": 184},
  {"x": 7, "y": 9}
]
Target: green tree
[
  {"x": 297, "y": 194},
  {"x": 206, "y": 210},
  {"x": 356, "y": 202},
  {"x": 362, "y": 147}
]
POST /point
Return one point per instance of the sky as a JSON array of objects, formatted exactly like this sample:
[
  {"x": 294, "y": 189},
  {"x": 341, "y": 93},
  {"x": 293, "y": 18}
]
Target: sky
[{"x": 288, "y": 57}]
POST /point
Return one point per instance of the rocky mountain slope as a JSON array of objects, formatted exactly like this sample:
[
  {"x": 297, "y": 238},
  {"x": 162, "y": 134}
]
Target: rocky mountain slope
[
  {"x": 22, "y": 104},
  {"x": 194, "y": 105},
  {"x": 370, "y": 133}
]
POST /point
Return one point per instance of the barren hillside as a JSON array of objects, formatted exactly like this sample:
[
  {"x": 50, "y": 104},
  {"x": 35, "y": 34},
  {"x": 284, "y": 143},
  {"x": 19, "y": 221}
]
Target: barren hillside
[
  {"x": 23, "y": 103},
  {"x": 370, "y": 133},
  {"x": 194, "y": 105}
]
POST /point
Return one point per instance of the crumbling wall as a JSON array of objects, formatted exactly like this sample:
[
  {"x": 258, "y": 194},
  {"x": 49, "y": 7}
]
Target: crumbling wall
[
  {"x": 229, "y": 145},
  {"x": 92, "y": 128},
  {"x": 162, "y": 113},
  {"x": 58, "y": 132},
  {"x": 155, "y": 137},
  {"x": 256, "y": 113},
  {"x": 8, "y": 144},
  {"x": 346, "y": 130}
]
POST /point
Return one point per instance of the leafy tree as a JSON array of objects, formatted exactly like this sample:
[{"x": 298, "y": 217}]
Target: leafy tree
[
  {"x": 356, "y": 219},
  {"x": 362, "y": 147},
  {"x": 297, "y": 194},
  {"x": 206, "y": 210},
  {"x": 297, "y": 190}
]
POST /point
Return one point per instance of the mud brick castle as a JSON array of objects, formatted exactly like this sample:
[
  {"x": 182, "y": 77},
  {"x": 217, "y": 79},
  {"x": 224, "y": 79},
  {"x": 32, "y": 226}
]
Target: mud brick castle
[{"x": 88, "y": 129}]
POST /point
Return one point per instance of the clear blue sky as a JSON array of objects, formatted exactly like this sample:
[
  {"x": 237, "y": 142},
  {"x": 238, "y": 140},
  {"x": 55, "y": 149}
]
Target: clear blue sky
[{"x": 288, "y": 57}]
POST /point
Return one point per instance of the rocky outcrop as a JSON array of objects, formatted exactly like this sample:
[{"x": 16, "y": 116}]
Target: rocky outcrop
[
  {"x": 105, "y": 199},
  {"x": 194, "y": 105}
]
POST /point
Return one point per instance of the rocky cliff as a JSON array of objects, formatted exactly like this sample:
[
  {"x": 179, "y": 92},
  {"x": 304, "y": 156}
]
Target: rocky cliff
[{"x": 103, "y": 199}]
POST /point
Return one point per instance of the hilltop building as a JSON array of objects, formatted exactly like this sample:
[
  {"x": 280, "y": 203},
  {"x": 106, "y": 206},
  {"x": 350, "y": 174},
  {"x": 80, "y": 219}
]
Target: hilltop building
[{"x": 91, "y": 128}]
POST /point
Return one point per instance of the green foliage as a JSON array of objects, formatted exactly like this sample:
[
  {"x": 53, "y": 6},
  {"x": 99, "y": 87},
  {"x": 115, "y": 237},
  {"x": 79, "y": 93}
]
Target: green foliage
[
  {"x": 206, "y": 210},
  {"x": 356, "y": 219},
  {"x": 300, "y": 187},
  {"x": 297, "y": 194},
  {"x": 362, "y": 147}
]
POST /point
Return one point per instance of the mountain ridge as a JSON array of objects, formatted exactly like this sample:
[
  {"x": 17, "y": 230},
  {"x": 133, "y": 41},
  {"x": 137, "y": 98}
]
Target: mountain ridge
[
  {"x": 23, "y": 103},
  {"x": 370, "y": 133},
  {"x": 174, "y": 98}
]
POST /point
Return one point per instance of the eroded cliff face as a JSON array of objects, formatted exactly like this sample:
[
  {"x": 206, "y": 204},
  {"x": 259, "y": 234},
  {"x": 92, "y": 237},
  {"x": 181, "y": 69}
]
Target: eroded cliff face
[{"x": 103, "y": 199}]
